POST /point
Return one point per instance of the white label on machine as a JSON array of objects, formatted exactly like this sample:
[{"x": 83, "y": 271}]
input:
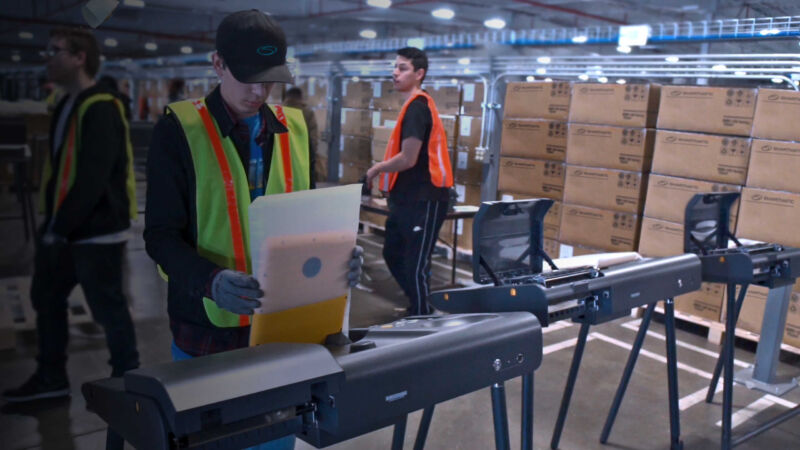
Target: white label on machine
[
  {"x": 565, "y": 251},
  {"x": 376, "y": 89},
  {"x": 461, "y": 193},
  {"x": 507, "y": 198},
  {"x": 469, "y": 92},
  {"x": 466, "y": 126},
  {"x": 463, "y": 160}
]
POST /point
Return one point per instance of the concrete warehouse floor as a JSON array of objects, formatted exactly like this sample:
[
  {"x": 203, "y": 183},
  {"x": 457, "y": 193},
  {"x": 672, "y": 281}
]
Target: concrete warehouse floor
[{"x": 464, "y": 422}]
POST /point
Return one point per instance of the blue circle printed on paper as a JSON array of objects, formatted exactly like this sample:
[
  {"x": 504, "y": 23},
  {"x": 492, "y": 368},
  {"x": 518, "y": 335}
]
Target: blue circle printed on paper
[
  {"x": 311, "y": 267},
  {"x": 266, "y": 50}
]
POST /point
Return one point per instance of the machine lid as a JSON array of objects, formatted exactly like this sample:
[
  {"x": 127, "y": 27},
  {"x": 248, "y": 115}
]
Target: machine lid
[
  {"x": 507, "y": 239},
  {"x": 707, "y": 220}
]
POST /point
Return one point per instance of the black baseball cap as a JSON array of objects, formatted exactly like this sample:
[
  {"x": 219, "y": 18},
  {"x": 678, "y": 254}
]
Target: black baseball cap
[{"x": 253, "y": 47}]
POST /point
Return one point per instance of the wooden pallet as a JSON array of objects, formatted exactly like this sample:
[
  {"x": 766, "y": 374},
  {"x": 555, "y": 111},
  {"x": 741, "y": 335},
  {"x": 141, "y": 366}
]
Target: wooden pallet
[{"x": 716, "y": 330}]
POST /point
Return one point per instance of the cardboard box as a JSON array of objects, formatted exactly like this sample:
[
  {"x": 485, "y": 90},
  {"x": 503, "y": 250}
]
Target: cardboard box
[
  {"x": 667, "y": 197},
  {"x": 351, "y": 172},
  {"x": 467, "y": 168},
  {"x": 357, "y": 94},
  {"x": 751, "y": 315},
  {"x": 535, "y": 177},
  {"x": 472, "y": 99},
  {"x": 446, "y": 97},
  {"x": 770, "y": 216},
  {"x": 450, "y": 123},
  {"x": 385, "y": 97},
  {"x": 612, "y": 147},
  {"x": 469, "y": 131},
  {"x": 464, "y": 230},
  {"x": 468, "y": 194},
  {"x": 705, "y": 302},
  {"x": 385, "y": 118},
  {"x": 598, "y": 228},
  {"x": 538, "y": 99},
  {"x": 776, "y": 115},
  {"x": 315, "y": 92},
  {"x": 321, "y": 117},
  {"x": 551, "y": 247},
  {"x": 791, "y": 334},
  {"x": 355, "y": 149},
  {"x": 321, "y": 168},
  {"x": 629, "y": 105},
  {"x": 569, "y": 251},
  {"x": 551, "y": 221},
  {"x": 660, "y": 238},
  {"x": 617, "y": 190},
  {"x": 722, "y": 110},
  {"x": 702, "y": 156},
  {"x": 534, "y": 138},
  {"x": 371, "y": 218},
  {"x": 356, "y": 122},
  {"x": 380, "y": 139},
  {"x": 774, "y": 165}
]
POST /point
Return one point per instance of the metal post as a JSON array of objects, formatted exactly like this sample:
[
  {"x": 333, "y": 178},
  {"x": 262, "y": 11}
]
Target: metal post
[
  {"x": 399, "y": 434},
  {"x": 573, "y": 374},
  {"x": 672, "y": 376},
  {"x": 712, "y": 387},
  {"x": 626, "y": 374},
  {"x": 501, "y": 440},
  {"x": 424, "y": 426},
  {"x": 527, "y": 412},
  {"x": 334, "y": 125},
  {"x": 727, "y": 383}
]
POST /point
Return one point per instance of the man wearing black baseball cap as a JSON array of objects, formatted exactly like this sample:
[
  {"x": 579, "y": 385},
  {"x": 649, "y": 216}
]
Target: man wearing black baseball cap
[{"x": 209, "y": 158}]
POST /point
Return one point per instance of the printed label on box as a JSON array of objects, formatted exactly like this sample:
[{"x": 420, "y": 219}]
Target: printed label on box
[
  {"x": 469, "y": 93},
  {"x": 376, "y": 89},
  {"x": 565, "y": 251},
  {"x": 466, "y": 126},
  {"x": 463, "y": 159}
]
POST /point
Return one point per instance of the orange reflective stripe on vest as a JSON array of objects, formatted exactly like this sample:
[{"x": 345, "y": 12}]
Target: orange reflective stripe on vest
[
  {"x": 438, "y": 156},
  {"x": 285, "y": 149},
  {"x": 63, "y": 188}
]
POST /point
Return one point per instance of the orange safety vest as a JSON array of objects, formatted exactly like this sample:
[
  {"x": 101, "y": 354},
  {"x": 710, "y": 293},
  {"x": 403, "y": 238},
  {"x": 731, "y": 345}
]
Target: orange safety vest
[{"x": 438, "y": 157}]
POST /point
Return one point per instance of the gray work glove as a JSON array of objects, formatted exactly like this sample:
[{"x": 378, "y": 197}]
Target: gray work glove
[
  {"x": 356, "y": 261},
  {"x": 236, "y": 292}
]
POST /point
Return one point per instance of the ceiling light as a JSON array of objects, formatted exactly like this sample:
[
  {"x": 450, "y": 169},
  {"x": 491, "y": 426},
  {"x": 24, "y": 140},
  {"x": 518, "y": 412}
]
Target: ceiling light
[
  {"x": 740, "y": 73},
  {"x": 110, "y": 42},
  {"x": 543, "y": 59},
  {"x": 548, "y": 79},
  {"x": 583, "y": 77},
  {"x": 530, "y": 78},
  {"x": 151, "y": 46},
  {"x": 186, "y": 50},
  {"x": 621, "y": 81},
  {"x": 672, "y": 59},
  {"x": 719, "y": 67},
  {"x": 443, "y": 13},
  {"x": 25, "y": 35},
  {"x": 380, "y": 3},
  {"x": 463, "y": 61},
  {"x": 603, "y": 80},
  {"x": 495, "y": 23},
  {"x": 133, "y": 3},
  {"x": 453, "y": 80},
  {"x": 541, "y": 71},
  {"x": 15, "y": 57},
  {"x": 769, "y": 32},
  {"x": 579, "y": 39},
  {"x": 777, "y": 80},
  {"x": 624, "y": 49},
  {"x": 354, "y": 79},
  {"x": 368, "y": 34}
]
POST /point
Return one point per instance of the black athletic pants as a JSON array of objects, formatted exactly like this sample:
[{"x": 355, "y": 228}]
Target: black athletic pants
[
  {"x": 411, "y": 232},
  {"x": 98, "y": 269}
]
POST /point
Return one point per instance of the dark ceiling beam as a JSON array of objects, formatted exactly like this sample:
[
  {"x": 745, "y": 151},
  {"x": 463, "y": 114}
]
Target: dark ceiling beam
[
  {"x": 576, "y": 12},
  {"x": 175, "y": 37}
]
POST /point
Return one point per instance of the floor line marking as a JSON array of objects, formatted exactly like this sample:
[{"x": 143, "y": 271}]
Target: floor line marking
[
  {"x": 563, "y": 344},
  {"x": 742, "y": 415},
  {"x": 696, "y": 397}
]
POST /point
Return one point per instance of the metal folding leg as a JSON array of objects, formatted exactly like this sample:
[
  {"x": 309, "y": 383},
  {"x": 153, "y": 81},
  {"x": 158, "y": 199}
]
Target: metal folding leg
[
  {"x": 527, "y": 412},
  {"x": 501, "y": 440},
  {"x": 573, "y": 374},
  {"x": 626, "y": 374},
  {"x": 672, "y": 376},
  {"x": 399, "y": 434},
  {"x": 727, "y": 383},
  {"x": 424, "y": 425},
  {"x": 712, "y": 387}
]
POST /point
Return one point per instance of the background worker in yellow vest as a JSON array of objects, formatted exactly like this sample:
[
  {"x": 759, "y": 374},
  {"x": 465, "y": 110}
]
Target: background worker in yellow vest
[
  {"x": 417, "y": 175},
  {"x": 88, "y": 197},
  {"x": 209, "y": 158}
]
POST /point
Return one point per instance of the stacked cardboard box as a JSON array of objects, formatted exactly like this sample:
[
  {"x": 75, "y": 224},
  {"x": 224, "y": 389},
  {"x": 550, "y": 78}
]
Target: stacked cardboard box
[
  {"x": 702, "y": 145},
  {"x": 770, "y": 204},
  {"x": 609, "y": 150}
]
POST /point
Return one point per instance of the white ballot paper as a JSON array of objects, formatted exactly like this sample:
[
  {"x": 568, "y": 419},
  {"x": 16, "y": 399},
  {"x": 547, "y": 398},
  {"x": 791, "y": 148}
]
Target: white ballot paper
[{"x": 301, "y": 244}]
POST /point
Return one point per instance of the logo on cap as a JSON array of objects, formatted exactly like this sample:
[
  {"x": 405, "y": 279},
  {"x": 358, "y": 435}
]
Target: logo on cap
[{"x": 266, "y": 50}]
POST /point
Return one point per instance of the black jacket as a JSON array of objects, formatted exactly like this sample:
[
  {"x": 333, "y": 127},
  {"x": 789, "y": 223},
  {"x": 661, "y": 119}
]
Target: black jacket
[
  {"x": 97, "y": 203},
  {"x": 171, "y": 221}
]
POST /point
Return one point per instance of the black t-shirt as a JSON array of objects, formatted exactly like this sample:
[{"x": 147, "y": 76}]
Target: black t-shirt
[{"x": 415, "y": 183}]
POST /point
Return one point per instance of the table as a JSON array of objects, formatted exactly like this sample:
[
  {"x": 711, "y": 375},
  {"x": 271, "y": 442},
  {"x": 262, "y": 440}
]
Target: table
[{"x": 379, "y": 206}]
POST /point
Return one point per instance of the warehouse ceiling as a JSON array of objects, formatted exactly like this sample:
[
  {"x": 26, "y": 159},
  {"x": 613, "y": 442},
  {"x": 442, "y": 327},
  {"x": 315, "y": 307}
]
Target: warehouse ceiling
[{"x": 147, "y": 28}]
